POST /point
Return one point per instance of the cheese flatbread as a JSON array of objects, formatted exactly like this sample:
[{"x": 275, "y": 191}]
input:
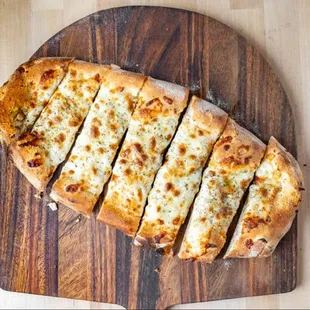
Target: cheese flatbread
[
  {"x": 89, "y": 165},
  {"x": 177, "y": 181},
  {"x": 234, "y": 160},
  {"x": 24, "y": 95},
  {"x": 271, "y": 205},
  {"x": 38, "y": 153},
  {"x": 151, "y": 129}
]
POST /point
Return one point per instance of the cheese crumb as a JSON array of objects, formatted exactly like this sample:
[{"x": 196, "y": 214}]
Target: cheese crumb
[{"x": 53, "y": 206}]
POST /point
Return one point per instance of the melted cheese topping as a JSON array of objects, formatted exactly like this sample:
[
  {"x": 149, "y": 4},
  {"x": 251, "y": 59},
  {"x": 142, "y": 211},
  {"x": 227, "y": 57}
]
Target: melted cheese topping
[
  {"x": 140, "y": 158},
  {"x": 213, "y": 211},
  {"x": 269, "y": 193},
  {"x": 42, "y": 95},
  {"x": 223, "y": 185},
  {"x": 61, "y": 118},
  {"x": 177, "y": 181},
  {"x": 95, "y": 148},
  {"x": 137, "y": 164}
]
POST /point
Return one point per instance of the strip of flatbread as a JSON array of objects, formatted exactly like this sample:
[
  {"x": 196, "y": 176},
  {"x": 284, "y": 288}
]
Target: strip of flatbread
[
  {"x": 25, "y": 94},
  {"x": 90, "y": 163},
  {"x": 271, "y": 205},
  {"x": 151, "y": 128},
  {"x": 232, "y": 165},
  {"x": 177, "y": 181},
  {"x": 38, "y": 153}
]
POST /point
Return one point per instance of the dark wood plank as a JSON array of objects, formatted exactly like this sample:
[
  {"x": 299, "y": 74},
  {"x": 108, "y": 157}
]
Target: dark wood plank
[{"x": 62, "y": 254}]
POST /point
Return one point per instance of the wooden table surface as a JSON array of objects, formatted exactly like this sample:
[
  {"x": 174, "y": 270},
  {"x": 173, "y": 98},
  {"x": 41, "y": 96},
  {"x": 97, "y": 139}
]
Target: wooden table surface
[{"x": 279, "y": 28}]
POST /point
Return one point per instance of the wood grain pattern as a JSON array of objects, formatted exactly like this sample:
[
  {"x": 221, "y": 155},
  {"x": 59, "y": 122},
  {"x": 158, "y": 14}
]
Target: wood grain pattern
[{"x": 62, "y": 254}]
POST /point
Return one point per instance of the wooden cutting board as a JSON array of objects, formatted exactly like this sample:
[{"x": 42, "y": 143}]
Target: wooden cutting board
[{"x": 59, "y": 253}]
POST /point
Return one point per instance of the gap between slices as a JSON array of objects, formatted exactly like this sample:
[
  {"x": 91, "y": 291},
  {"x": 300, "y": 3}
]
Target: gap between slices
[
  {"x": 38, "y": 153},
  {"x": 151, "y": 129},
  {"x": 90, "y": 163},
  {"x": 235, "y": 158},
  {"x": 178, "y": 180},
  {"x": 271, "y": 205}
]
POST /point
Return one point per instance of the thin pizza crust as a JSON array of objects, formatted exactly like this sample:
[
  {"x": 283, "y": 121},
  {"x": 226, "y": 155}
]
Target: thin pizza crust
[
  {"x": 234, "y": 159},
  {"x": 151, "y": 129},
  {"x": 177, "y": 181},
  {"x": 271, "y": 205},
  {"x": 90, "y": 163},
  {"x": 38, "y": 153},
  {"x": 25, "y": 94}
]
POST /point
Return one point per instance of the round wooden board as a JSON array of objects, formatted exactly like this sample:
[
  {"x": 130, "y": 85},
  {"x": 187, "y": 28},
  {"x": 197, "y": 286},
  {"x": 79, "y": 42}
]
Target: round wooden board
[{"x": 63, "y": 254}]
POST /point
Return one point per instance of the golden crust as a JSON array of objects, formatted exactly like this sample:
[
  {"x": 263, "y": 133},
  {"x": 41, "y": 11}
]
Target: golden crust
[
  {"x": 19, "y": 95},
  {"x": 214, "y": 247},
  {"x": 244, "y": 149},
  {"x": 160, "y": 98},
  {"x": 117, "y": 218},
  {"x": 73, "y": 195},
  {"x": 286, "y": 162},
  {"x": 88, "y": 68},
  {"x": 161, "y": 240},
  {"x": 30, "y": 158},
  {"x": 208, "y": 115},
  {"x": 118, "y": 78},
  {"x": 258, "y": 236}
]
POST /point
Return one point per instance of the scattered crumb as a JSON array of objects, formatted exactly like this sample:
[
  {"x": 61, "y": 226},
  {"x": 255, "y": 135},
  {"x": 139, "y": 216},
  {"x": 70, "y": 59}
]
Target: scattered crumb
[
  {"x": 227, "y": 264},
  {"x": 305, "y": 165},
  {"x": 78, "y": 219},
  {"x": 38, "y": 195},
  {"x": 53, "y": 206},
  {"x": 195, "y": 86},
  {"x": 157, "y": 270}
]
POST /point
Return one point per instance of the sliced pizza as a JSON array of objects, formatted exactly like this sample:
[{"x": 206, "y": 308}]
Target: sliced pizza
[
  {"x": 90, "y": 163},
  {"x": 25, "y": 94},
  {"x": 38, "y": 153},
  {"x": 271, "y": 205},
  {"x": 151, "y": 129},
  {"x": 177, "y": 181},
  {"x": 232, "y": 165}
]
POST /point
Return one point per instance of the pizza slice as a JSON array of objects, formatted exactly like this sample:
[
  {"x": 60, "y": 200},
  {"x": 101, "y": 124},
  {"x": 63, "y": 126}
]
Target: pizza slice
[
  {"x": 271, "y": 205},
  {"x": 25, "y": 94},
  {"x": 232, "y": 165},
  {"x": 151, "y": 129},
  {"x": 177, "y": 181},
  {"x": 38, "y": 153},
  {"x": 90, "y": 163}
]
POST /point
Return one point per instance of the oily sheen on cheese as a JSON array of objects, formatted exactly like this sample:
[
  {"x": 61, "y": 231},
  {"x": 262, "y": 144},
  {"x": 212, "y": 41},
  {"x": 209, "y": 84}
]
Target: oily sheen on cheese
[
  {"x": 271, "y": 206},
  {"x": 177, "y": 181},
  {"x": 151, "y": 129},
  {"x": 90, "y": 163},
  {"x": 234, "y": 160},
  {"x": 38, "y": 153},
  {"x": 27, "y": 92}
]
